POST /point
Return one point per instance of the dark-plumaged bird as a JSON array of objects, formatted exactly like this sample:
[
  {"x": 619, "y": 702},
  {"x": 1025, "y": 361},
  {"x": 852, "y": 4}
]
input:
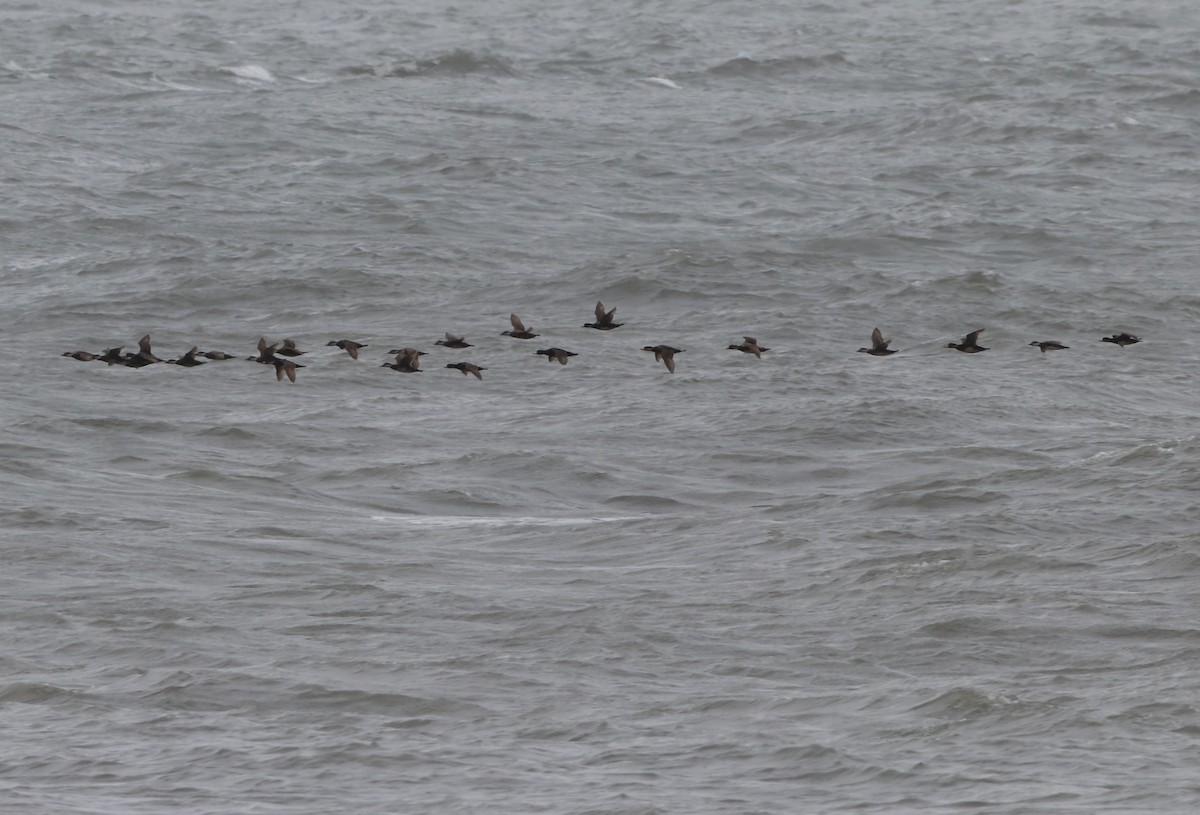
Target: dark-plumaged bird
[
  {"x": 188, "y": 360},
  {"x": 215, "y": 355},
  {"x": 349, "y": 346},
  {"x": 1050, "y": 345},
  {"x": 558, "y": 355},
  {"x": 604, "y": 319},
  {"x": 452, "y": 341},
  {"x": 879, "y": 346},
  {"x": 1122, "y": 339},
  {"x": 143, "y": 357},
  {"x": 408, "y": 361},
  {"x": 468, "y": 368},
  {"x": 113, "y": 356},
  {"x": 82, "y": 356},
  {"x": 266, "y": 353},
  {"x": 664, "y": 354},
  {"x": 285, "y": 367},
  {"x": 519, "y": 331},
  {"x": 970, "y": 343},
  {"x": 288, "y": 348},
  {"x": 749, "y": 346}
]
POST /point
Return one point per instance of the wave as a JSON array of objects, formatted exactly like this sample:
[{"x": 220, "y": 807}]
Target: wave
[
  {"x": 249, "y": 73},
  {"x": 746, "y": 66},
  {"x": 499, "y": 521},
  {"x": 459, "y": 61}
]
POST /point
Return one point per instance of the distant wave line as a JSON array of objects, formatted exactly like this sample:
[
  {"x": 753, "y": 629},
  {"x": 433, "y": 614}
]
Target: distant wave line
[{"x": 498, "y": 520}]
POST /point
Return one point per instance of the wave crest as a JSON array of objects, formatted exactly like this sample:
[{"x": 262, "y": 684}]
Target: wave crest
[{"x": 459, "y": 61}]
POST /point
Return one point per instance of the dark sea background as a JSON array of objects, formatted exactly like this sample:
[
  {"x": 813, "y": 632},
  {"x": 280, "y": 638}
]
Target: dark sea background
[{"x": 816, "y": 582}]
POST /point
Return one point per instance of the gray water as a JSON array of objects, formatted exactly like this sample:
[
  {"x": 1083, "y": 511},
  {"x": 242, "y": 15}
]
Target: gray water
[{"x": 818, "y": 582}]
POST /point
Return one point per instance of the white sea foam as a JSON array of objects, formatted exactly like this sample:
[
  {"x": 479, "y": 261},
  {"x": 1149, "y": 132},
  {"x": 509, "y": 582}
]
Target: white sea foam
[{"x": 250, "y": 73}]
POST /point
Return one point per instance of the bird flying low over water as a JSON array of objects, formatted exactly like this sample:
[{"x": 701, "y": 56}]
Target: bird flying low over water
[
  {"x": 558, "y": 355},
  {"x": 468, "y": 368},
  {"x": 285, "y": 367},
  {"x": 519, "y": 331},
  {"x": 749, "y": 345},
  {"x": 349, "y": 346},
  {"x": 113, "y": 356},
  {"x": 1050, "y": 345},
  {"x": 1122, "y": 339},
  {"x": 188, "y": 360},
  {"x": 216, "y": 355},
  {"x": 289, "y": 349},
  {"x": 664, "y": 354},
  {"x": 879, "y": 346},
  {"x": 143, "y": 357},
  {"x": 82, "y": 356},
  {"x": 266, "y": 353},
  {"x": 970, "y": 343},
  {"x": 452, "y": 341},
  {"x": 604, "y": 319},
  {"x": 408, "y": 361}
]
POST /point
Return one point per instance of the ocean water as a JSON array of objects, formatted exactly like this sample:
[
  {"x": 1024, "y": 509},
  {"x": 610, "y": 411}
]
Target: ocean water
[{"x": 818, "y": 582}]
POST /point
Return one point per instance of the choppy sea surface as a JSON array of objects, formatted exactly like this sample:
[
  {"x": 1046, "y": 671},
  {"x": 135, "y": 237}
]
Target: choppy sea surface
[{"x": 819, "y": 581}]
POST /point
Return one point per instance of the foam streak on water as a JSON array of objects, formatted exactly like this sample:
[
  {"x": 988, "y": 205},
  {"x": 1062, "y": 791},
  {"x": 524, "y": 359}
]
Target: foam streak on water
[{"x": 821, "y": 581}]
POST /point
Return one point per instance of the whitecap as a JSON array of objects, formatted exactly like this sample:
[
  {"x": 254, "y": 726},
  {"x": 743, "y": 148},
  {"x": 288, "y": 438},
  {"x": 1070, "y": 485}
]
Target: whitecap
[
  {"x": 253, "y": 73},
  {"x": 16, "y": 68},
  {"x": 175, "y": 86},
  {"x": 661, "y": 80}
]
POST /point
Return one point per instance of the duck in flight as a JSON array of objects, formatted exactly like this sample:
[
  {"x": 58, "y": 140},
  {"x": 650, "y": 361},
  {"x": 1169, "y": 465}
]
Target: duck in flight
[
  {"x": 468, "y": 368},
  {"x": 113, "y": 356},
  {"x": 266, "y": 353},
  {"x": 879, "y": 346},
  {"x": 188, "y": 360},
  {"x": 285, "y": 367},
  {"x": 87, "y": 356},
  {"x": 664, "y": 354},
  {"x": 749, "y": 345},
  {"x": 1122, "y": 339},
  {"x": 143, "y": 357},
  {"x": 1050, "y": 345},
  {"x": 559, "y": 355},
  {"x": 349, "y": 346},
  {"x": 970, "y": 343},
  {"x": 408, "y": 361},
  {"x": 519, "y": 331},
  {"x": 604, "y": 319},
  {"x": 452, "y": 341},
  {"x": 289, "y": 349}
]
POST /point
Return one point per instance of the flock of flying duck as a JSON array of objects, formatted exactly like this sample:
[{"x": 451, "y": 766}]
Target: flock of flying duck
[
  {"x": 408, "y": 360},
  {"x": 970, "y": 343}
]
